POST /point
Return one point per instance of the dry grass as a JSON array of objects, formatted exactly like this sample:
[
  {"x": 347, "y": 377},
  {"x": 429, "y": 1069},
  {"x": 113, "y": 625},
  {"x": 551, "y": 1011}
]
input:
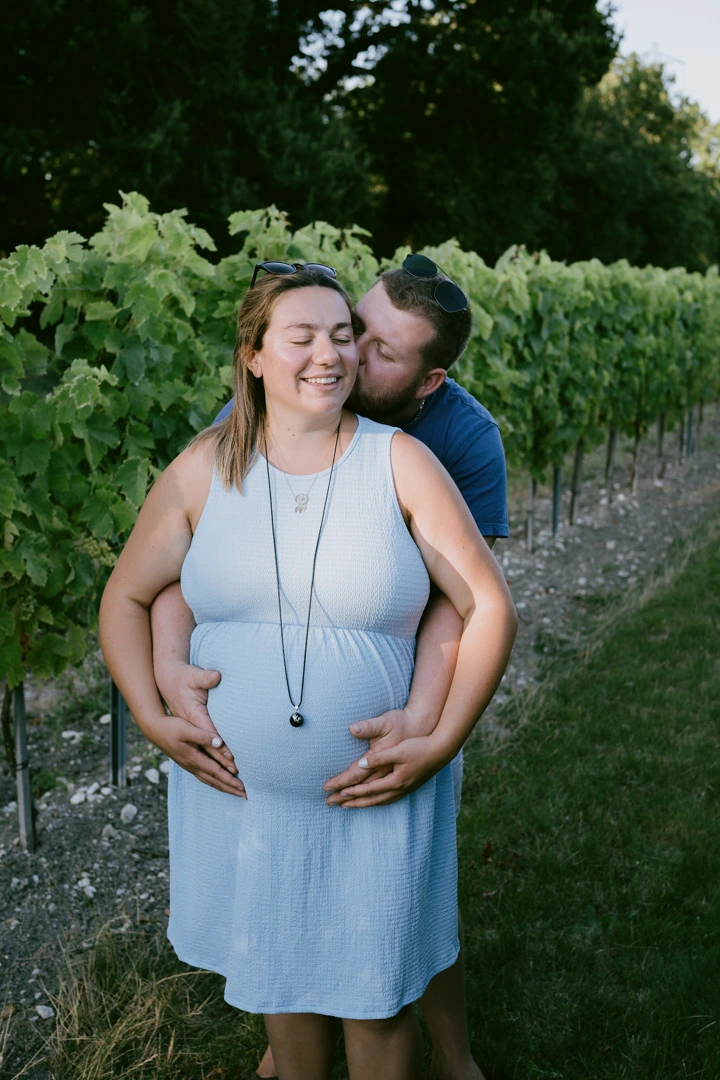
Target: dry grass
[{"x": 128, "y": 1008}]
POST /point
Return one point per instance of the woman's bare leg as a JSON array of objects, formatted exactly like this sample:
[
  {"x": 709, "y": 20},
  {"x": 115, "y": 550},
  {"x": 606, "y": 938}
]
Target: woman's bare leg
[
  {"x": 302, "y": 1044},
  {"x": 444, "y": 1010},
  {"x": 391, "y": 1049}
]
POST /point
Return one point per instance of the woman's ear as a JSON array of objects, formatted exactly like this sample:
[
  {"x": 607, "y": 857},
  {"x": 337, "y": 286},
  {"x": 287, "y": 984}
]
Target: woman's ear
[{"x": 255, "y": 365}]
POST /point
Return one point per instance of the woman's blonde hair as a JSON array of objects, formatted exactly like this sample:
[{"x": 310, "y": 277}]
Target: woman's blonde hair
[{"x": 235, "y": 439}]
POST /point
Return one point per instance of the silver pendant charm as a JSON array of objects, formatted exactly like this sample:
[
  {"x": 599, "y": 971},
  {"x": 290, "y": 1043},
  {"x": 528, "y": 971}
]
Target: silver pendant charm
[
  {"x": 301, "y": 502},
  {"x": 296, "y": 719}
]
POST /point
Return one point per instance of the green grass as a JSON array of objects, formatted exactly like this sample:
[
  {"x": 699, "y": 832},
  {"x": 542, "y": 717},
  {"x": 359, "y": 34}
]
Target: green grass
[
  {"x": 593, "y": 921},
  {"x": 590, "y": 879}
]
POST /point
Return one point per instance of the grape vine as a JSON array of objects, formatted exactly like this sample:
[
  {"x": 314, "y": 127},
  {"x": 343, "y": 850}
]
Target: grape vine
[{"x": 114, "y": 351}]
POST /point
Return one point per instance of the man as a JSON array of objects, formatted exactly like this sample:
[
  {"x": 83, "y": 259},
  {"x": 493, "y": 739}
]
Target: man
[{"x": 411, "y": 329}]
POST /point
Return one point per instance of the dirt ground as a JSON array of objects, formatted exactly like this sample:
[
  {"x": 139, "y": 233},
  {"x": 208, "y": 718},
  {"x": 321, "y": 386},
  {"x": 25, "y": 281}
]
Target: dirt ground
[{"x": 102, "y": 854}]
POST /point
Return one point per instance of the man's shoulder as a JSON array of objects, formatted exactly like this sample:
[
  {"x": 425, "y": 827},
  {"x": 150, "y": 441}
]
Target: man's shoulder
[
  {"x": 458, "y": 425},
  {"x": 458, "y": 405}
]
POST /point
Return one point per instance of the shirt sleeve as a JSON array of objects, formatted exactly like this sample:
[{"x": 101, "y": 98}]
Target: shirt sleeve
[
  {"x": 478, "y": 469},
  {"x": 225, "y": 411}
]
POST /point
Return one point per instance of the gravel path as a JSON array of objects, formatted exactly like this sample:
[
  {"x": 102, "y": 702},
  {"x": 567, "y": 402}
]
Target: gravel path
[{"x": 102, "y": 856}]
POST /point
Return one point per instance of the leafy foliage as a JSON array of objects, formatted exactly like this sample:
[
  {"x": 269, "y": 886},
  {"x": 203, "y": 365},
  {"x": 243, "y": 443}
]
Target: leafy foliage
[{"x": 115, "y": 351}]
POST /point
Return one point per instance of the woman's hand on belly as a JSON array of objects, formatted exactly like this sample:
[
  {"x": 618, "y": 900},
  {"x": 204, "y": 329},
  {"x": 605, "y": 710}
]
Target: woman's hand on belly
[{"x": 190, "y": 747}]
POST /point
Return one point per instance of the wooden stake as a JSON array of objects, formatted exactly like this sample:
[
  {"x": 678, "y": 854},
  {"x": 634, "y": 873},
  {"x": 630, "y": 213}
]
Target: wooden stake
[
  {"x": 530, "y": 524},
  {"x": 635, "y": 460},
  {"x": 610, "y": 461},
  {"x": 557, "y": 495},
  {"x": 28, "y": 839},
  {"x": 681, "y": 438},
  {"x": 118, "y": 738},
  {"x": 660, "y": 436},
  {"x": 689, "y": 441},
  {"x": 576, "y": 480}
]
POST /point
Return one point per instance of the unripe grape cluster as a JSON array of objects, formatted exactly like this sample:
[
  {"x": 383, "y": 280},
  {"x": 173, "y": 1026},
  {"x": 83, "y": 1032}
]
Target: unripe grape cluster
[
  {"x": 25, "y": 609},
  {"x": 99, "y": 550}
]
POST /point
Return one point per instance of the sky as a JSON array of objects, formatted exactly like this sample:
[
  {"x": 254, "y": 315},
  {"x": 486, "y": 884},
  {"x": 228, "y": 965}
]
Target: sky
[{"x": 684, "y": 35}]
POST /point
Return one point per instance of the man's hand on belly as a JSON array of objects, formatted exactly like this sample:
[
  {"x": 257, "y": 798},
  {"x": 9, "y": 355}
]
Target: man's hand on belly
[
  {"x": 384, "y": 733},
  {"x": 185, "y": 687}
]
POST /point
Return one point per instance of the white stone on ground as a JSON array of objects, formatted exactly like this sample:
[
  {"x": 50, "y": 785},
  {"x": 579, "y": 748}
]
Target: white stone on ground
[{"x": 128, "y": 813}]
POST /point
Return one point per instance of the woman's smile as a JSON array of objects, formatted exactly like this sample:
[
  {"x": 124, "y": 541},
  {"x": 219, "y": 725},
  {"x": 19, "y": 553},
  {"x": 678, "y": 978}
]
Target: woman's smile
[{"x": 324, "y": 382}]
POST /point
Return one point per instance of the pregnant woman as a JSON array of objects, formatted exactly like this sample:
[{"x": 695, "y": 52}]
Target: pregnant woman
[{"x": 305, "y": 538}]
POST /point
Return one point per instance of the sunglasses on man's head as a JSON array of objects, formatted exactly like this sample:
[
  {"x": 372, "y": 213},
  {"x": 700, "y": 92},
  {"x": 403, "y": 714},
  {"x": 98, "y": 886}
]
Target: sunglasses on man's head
[
  {"x": 291, "y": 268},
  {"x": 448, "y": 295}
]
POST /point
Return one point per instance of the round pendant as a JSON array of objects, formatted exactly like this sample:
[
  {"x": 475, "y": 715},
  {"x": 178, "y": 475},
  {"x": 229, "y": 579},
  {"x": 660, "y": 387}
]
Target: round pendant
[{"x": 296, "y": 719}]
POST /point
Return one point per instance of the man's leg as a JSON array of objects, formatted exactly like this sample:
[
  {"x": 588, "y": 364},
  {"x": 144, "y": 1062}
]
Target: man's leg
[{"x": 443, "y": 1007}]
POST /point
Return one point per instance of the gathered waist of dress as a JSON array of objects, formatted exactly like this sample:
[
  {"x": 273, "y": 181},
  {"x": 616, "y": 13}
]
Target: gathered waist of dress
[{"x": 292, "y": 626}]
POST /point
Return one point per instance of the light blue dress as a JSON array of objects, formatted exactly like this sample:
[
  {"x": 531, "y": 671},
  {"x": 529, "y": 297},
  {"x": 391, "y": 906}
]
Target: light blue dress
[{"x": 301, "y": 906}]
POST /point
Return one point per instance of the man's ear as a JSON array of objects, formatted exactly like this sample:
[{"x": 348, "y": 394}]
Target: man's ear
[{"x": 432, "y": 381}]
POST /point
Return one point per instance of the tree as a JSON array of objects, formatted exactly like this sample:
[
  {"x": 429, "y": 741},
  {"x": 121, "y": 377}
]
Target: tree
[
  {"x": 644, "y": 181},
  {"x": 466, "y": 110},
  {"x": 194, "y": 103}
]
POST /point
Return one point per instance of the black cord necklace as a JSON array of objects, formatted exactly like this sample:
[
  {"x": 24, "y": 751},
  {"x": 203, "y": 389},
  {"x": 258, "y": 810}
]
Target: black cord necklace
[{"x": 297, "y": 719}]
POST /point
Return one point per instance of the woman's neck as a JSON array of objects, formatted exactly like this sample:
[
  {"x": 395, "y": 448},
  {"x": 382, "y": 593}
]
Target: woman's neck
[{"x": 304, "y": 445}]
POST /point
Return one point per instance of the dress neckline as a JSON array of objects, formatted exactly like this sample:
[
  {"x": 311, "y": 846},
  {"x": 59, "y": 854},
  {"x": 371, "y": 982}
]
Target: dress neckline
[{"x": 312, "y": 476}]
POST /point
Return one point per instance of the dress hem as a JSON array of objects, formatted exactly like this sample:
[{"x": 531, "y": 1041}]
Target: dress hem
[{"x": 323, "y": 1010}]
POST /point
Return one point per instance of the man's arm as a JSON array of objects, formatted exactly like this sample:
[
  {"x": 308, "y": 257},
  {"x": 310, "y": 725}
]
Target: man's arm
[
  {"x": 435, "y": 658},
  {"x": 436, "y": 652}
]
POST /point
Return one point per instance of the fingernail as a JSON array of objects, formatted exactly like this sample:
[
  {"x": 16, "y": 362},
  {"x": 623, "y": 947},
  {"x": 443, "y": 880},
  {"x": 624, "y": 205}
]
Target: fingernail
[
  {"x": 217, "y": 741},
  {"x": 356, "y": 729},
  {"x": 363, "y": 763}
]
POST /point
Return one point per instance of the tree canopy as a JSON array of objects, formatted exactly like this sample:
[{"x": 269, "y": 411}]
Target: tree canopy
[{"x": 496, "y": 121}]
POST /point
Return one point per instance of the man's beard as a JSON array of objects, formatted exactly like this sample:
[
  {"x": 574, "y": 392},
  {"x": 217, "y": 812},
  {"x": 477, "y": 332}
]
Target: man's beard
[{"x": 383, "y": 408}]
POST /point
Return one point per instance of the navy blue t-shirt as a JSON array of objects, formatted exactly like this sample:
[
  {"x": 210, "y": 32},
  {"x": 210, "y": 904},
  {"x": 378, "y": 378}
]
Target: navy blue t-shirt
[{"x": 463, "y": 435}]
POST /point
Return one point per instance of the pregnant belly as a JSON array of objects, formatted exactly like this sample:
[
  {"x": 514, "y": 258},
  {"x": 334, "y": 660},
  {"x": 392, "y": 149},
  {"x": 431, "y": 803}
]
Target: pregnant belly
[{"x": 349, "y": 675}]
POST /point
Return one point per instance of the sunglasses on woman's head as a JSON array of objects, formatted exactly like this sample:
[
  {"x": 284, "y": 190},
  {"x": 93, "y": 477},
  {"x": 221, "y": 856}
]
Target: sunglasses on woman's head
[
  {"x": 291, "y": 268},
  {"x": 448, "y": 295}
]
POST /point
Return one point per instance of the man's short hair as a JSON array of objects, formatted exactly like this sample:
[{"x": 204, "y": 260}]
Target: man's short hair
[{"x": 452, "y": 329}]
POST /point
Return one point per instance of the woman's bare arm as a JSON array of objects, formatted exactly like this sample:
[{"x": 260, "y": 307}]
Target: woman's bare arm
[
  {"x": 152, "y": 559},
  {"x": 461, "y": 565}
]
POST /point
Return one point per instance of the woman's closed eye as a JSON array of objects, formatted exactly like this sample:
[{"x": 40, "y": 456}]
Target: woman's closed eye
[{"x": 344, "y": 340}]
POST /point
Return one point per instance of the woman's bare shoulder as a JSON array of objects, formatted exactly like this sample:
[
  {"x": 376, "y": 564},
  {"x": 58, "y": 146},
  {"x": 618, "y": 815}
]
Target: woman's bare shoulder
[
  {"x": 411, "y": 459},
  {"x": 189, "y": 476}
]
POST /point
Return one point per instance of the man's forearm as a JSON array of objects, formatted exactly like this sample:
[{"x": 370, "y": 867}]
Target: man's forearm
[
  {"x": 436, "y": 653},
  {"x": 172, "y": 625}
]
